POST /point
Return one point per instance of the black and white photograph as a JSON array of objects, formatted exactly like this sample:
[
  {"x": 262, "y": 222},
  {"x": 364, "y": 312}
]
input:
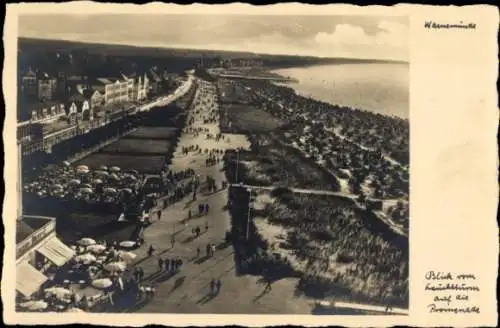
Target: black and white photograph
[{"x": 213, "y": 163}]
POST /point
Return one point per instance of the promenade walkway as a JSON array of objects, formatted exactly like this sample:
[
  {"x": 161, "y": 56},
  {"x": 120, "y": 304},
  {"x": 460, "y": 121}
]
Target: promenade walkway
[{"x": 187, "y": 291}]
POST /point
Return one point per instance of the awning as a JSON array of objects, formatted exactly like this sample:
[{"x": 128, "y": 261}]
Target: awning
[
  {"x": 28, "y": 279},
  {"x": 57, "y": 252}
]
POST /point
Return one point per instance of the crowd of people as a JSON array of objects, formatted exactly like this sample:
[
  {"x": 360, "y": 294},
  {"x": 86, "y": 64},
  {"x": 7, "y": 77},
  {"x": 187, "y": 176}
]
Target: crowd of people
[
  {"x": 66, "y": 181},
  {"x": 383, "y": 133}
]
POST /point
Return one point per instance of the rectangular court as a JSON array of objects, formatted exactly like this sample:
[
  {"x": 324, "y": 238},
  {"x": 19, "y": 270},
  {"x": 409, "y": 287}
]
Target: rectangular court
[
  {"x": 154, "y": 132},
  {"x": 139, "y": 146}
]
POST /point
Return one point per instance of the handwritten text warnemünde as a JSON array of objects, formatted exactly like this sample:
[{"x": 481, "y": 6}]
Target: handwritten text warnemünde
[{"x": 460, "y": 25}]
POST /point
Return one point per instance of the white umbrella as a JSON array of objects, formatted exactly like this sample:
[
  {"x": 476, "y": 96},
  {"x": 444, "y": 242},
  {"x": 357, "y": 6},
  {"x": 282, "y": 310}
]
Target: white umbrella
[
  {"x": 103, "y": 167},
  {"x": 82, "y": 171},
  {"x": 127, "y": 243},
  {"x": 86, "y": 190},
  {"x": 114, "y": 176},
  {"x": 59, "y": 292},
  {"x": 82, "y": 167},
  {"x": 101, "y": 173},
  {"x": 66, "y": 163},
  {"x": 127, "y": 256},
  {"x": 115, "y": 266},
  {"x": 127, "y": 190},
  {"x": 98, "y": 181},
  {"x": 96, "y": 249},
  {"x": 86, "y": 241},
  {"x": 57, "y": 186},
  {"x": 74, "y": 310},
  {"x": 34, "y": 305},
  {"x": 102, "y": 283},
  {"x": 114, "y": 169},
  {"x": 85, "y": 258},
  {"x": 109, "y": 190},
  {"x": 85, "y": 185},
  {"x": 74, "y": 181}
]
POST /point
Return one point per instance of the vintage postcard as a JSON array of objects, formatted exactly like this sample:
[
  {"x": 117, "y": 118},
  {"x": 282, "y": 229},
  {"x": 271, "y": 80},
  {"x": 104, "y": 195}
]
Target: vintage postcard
[{"x": 206, "y": 165}]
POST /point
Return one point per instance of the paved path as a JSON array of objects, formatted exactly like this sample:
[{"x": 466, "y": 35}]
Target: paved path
[{"x": 187, "y": 291}]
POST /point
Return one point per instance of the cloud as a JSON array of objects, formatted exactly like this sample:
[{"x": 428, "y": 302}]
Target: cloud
[{"x": 391, "y": 38}]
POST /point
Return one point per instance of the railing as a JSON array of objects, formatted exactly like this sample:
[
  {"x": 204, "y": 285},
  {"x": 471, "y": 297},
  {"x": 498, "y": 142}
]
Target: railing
[{"x": 36, "y": 236}]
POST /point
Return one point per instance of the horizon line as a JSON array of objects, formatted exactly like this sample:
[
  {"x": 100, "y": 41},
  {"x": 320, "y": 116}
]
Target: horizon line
[{"x": 205, "y": 49}]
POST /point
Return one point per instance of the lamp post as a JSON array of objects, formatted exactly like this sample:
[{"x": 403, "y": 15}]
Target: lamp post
[
  {"x": 237, "y": 164},
  {"x": 249, "y": 208}
]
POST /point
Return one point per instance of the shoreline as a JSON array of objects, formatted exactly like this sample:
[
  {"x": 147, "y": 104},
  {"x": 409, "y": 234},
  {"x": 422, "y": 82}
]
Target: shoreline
[{"x": 331, "y": 103}]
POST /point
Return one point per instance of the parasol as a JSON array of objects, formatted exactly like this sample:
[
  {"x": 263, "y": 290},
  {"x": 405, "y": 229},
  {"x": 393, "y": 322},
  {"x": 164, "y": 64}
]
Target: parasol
[
  {"x": 127, "y": 243},
  {"x": 82, "y": 167},
  {"x": 115, "y": 266},
  {"x": 66, "y": 163},
  {"x": 74, "y": 181},
  {"x": 96, "y": 249},
  {"x": 103, "y": 167},
  {"x": 34, "y": 305},
  {"x": 58, "y": 292},
  {"x": 102, "y": 283},
  {"x": 114, "y": 169},
  {"x": 86, "y": 190},
  {"x": 109, "y": 190},
  {"x": 85, "y": 258},
  {"x": 86, "y": 241},
  {"x": 114, "y": 176},
  {"x": 127, "y": 256}
]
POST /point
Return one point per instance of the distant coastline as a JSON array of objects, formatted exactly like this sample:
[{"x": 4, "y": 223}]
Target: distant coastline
[{"x": 376, "y": 86}]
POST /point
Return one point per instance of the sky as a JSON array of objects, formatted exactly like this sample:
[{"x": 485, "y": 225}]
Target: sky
[{"x": 371, "y": 36}]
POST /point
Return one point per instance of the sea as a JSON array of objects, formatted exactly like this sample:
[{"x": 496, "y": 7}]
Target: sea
[{"x": 378, "y": 87}]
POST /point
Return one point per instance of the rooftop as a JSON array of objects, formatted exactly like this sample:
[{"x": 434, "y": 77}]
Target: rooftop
[{"x": 29, "y": 224}]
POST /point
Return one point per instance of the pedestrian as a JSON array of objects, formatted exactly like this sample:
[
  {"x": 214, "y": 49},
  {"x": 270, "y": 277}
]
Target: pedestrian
[
  {"x": 189, "y": 214},
  {"x": 268, "y": 285},
  {"x": 172, "y": 241},
  {"x": 212, "y": 248},
  {"x": 206, "y": 226},
  {"x": 208, "y": 250},
  {"x": 159, "y": 215},
  {"x": 212, "y": 286},
  {"x": 180, "y": 263},
  {"x": 206, "y": 208},
  {"x": 160, "y": 264},
  {"x": 167, "y": 265},
  {"x": 151, "y": 250},
  {"x": 141, "y": 273},
  {"x": 218, "y": 285},
  {"x": 198, "y": 251}
]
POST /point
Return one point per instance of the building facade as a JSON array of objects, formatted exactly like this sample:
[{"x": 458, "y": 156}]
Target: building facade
[
  {"x": 47, "y": 87},
  {"x": 29, "y": 84}
]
